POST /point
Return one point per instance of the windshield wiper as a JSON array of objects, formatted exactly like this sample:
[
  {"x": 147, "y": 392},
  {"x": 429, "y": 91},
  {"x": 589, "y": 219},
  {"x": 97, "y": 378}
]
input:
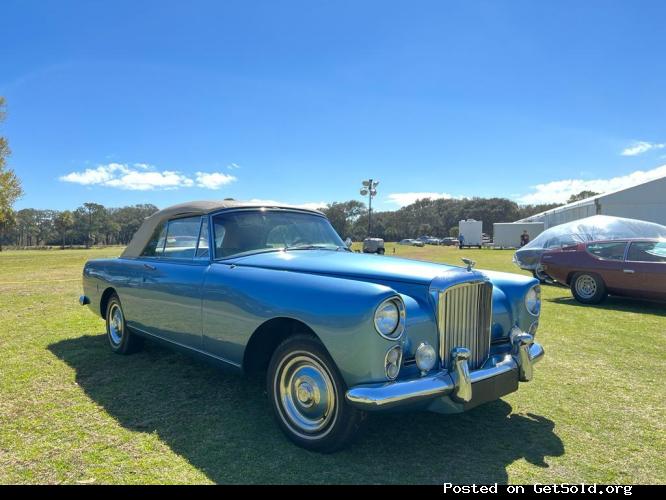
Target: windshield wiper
[{"x": 309, "y": 247}]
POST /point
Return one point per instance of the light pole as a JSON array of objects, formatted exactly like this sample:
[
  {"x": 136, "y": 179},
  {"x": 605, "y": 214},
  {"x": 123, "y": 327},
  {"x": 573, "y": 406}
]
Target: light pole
[{"x": 369, "y": 189}]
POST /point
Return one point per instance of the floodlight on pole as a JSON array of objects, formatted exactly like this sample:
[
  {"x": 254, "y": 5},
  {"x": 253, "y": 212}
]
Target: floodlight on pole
[{"x": 369, "y": 189}]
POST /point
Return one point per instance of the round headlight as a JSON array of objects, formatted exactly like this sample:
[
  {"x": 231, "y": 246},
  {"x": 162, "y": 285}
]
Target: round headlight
[
  {"x": 533, "y": 300},
  {"x": 425, "y": 357},
  {"x": 392, "y": 362},
  {"x": 389, "y": 318}
]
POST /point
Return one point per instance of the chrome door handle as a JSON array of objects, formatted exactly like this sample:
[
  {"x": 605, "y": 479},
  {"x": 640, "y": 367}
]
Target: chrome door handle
[
  {"x": 628, "y": 271},
  {"x": 149, "y": 267}
]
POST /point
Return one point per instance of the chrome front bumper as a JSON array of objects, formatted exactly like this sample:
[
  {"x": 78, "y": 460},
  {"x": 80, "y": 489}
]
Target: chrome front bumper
[{"x": 458, "y": 383}]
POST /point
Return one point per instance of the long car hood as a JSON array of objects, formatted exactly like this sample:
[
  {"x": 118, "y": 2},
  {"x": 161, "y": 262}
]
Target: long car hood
[{"x": 357, "y": 265}]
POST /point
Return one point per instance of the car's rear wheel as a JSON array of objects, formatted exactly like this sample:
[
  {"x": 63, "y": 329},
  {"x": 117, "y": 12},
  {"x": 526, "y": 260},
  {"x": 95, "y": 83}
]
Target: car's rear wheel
[
  {"x": 121, "y": 339},
  {"x": 381, "y": 251},
  {"x": 308, "y": 396},
  {"x": 588, "y": 288}
]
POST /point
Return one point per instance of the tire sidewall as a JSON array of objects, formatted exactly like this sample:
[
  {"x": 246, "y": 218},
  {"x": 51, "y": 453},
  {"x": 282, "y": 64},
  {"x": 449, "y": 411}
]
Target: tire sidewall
[{"x": 121, "y": 347}]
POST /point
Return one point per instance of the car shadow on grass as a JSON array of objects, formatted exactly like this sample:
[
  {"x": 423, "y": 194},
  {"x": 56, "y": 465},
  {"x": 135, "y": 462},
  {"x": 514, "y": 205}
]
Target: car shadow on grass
[
  {"x": 623, "y": 304},
  {"x": 222, "y": 424}
]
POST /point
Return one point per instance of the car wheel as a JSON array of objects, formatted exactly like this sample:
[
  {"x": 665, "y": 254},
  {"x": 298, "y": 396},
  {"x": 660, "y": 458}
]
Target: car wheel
[
  {"x": 539, "y": 274},
  {"x": 308, "y": 396},
  {"x": 121, "y": 340},
  {"x": 381, "y": 251},
  {"x": 588, "y": 288}
]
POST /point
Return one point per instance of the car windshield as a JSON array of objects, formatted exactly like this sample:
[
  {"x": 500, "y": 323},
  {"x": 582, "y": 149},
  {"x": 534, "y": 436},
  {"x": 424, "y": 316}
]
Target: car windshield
[{"x": 254, "y": 231}]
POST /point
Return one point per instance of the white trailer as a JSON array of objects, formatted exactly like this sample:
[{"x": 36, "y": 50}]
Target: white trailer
[
  {"x": 472, "y": 233},
  {"x": 507, "y": 234}
]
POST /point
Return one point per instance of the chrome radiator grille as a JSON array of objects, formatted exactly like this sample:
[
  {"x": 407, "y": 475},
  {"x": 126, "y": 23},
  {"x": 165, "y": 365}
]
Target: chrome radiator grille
[{"x": 464, "y": 317}]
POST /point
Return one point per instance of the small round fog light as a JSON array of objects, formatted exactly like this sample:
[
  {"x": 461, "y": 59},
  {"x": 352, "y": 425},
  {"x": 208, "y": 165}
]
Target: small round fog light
[
  {"x": 392, "y": 362},
  {"x": 425, "y": 357}
]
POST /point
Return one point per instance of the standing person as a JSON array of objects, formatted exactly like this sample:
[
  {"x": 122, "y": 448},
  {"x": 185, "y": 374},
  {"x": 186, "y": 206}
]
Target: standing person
[
  {"x": 524, "y": 238},
  {"x": 461, "y": 240}
]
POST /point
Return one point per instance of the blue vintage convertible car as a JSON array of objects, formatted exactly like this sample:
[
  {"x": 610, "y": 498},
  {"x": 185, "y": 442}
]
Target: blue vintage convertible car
[{"x": 274, "y": 288}]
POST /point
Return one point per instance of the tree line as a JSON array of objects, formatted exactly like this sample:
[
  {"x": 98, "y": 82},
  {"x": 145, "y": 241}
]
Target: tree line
[
  {"x": 437, "y": 218},
  {"x": 90, "y": 224},
  {"x": 94, "y": 224}
]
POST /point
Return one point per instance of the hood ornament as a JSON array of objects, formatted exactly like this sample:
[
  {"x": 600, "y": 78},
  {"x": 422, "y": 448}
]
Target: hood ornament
[{"x": 469, "y": 262}]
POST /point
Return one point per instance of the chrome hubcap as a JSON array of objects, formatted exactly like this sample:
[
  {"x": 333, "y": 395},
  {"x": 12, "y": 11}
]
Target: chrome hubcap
[
  {"x": 586, "y": 287},
  {"x": 306, "y": 395},
  {"x": 116, "y": 324}
]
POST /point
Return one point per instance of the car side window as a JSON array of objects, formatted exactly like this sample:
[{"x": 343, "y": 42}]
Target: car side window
[
  {"x": 647, "y": 251},
  {"x": 202, "y": 247},
  {"x": 155, "y": 246},
  {"x": 182, "y": 238},
  {"x": 613, "y": 250}
]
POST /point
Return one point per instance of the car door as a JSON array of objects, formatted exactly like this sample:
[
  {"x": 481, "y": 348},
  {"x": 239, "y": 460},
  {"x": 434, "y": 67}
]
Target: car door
[
  {"x": 645, "y": 269},
  {"x": 607, "y": 257},
  {"x": 171, "y": 291}
]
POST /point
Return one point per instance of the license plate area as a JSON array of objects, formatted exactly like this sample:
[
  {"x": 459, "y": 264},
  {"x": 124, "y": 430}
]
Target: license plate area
[{"x": 493, "y": 388}]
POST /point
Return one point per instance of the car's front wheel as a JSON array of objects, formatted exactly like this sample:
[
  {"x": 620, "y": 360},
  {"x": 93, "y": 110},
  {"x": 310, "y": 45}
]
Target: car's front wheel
[
  {"x": 588, "y": 288},
  {"x": 121, "y": 339},
  {"x": 540, "y": 274},
  {"x": 381, "y": 251},
  {"x": 308, "y": 396}
]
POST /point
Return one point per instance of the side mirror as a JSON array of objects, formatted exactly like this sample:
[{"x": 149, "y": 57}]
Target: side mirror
[{"x": 348, "y": 242}]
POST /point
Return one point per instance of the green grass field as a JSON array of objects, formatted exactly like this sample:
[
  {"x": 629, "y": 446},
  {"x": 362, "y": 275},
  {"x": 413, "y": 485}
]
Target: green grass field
[{"x": 73, "y": 412}]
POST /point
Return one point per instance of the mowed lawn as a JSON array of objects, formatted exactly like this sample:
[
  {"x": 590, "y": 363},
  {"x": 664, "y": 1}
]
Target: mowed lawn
[{"x": 73, "y": 412}]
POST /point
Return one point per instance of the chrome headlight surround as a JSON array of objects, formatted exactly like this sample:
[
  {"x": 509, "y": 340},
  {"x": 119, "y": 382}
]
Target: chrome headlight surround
[
  {"x": 393, "y": 362},
  {"x": 533, "y": 300},
  {"x": 390, "y": 330}
]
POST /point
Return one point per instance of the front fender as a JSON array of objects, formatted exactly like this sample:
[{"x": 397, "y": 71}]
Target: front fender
[
  {"x": 509, "y": 308},
  {"x": 238, "y": 299}
]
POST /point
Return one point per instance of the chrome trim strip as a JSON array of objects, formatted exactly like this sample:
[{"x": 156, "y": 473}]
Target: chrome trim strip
[{"x": 389, "y": 395}]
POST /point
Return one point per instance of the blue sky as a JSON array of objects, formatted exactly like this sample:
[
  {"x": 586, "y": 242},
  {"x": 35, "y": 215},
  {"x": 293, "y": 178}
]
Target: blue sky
[{"x": 298, "y": 101}]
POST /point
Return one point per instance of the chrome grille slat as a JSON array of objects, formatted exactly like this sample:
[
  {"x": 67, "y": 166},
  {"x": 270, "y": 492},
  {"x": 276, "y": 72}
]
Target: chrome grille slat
[{"x": 464, "y": 316}]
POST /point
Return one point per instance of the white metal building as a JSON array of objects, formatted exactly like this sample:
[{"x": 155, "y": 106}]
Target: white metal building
[
  {"x": 645, "y": 201},
  {"x": 507, "y": 234}
]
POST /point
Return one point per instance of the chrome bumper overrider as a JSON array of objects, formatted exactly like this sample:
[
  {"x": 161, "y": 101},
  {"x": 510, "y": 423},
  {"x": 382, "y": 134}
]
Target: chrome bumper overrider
[
  {"x": 458, "y": 383},
  {"x": 83, "y": 300}
]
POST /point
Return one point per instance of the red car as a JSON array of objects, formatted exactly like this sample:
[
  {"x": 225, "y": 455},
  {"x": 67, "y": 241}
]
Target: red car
[{"x": 631, "y": 268}]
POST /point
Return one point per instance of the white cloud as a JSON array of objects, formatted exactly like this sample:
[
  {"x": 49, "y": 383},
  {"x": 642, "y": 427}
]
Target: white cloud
[
  {"x": 640, "y": 147},
  {"x": 308, "y": 205},
  {"x": 214, "y": 180},
  {"x": 144, "y": 177},
  {"x": 560, "y": 191},
  {"x": 91, "y": 176},
  {"x": 233, "y": 166},
  {"x": 404, "y": 199}
]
